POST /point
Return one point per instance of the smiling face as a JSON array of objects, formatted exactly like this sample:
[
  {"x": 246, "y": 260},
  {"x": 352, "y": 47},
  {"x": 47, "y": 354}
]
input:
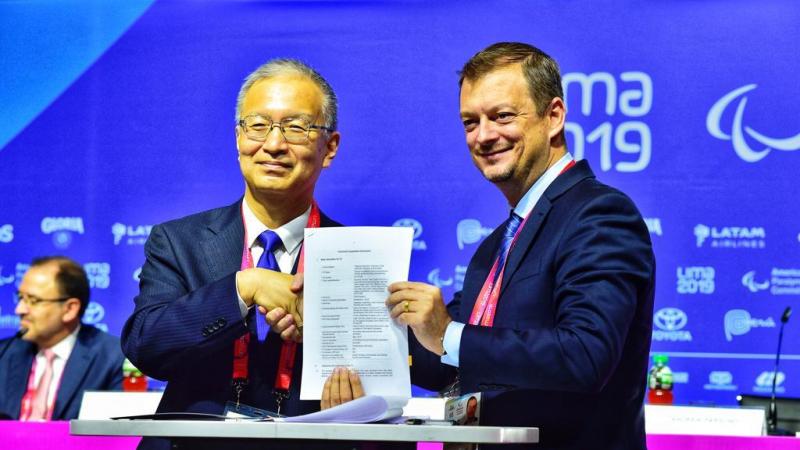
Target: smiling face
[
  {"x": 275, "y": 167},
  {"x": 508, "y": 141}
]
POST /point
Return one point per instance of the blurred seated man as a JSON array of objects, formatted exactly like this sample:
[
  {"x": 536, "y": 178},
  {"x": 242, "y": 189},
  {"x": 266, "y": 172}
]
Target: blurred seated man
[{"x": 53, "y": 359}]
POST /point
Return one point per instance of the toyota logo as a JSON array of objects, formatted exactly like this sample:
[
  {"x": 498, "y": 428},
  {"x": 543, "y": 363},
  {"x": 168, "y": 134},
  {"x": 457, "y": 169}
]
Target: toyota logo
[{"x": 670, "y": 319}]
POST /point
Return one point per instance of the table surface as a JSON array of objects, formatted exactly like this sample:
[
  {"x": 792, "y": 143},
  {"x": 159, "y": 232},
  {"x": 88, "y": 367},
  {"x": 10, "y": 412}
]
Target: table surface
[{"x": 282, "y": 430}]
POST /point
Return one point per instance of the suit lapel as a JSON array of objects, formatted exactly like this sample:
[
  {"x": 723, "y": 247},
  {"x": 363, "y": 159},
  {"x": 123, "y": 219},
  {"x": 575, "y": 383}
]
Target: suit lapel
[
  {"x": 525, "y": 239},
  {"x": 223, "y": 246},
  {"x": 560, "y": 185},
  {"x": 20, "y": 363},
  {"x": 77, "y": 368}
]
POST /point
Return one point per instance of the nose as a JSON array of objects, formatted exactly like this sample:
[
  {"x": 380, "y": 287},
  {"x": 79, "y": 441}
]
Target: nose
[
  {"x": 21, "y": 308},
  {"x": 274, "y": 142},
  {"x": 486, "y": 132}
]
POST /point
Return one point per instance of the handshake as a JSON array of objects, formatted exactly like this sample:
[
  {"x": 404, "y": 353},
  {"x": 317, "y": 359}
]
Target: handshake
[{"x": 278, "y": 296}]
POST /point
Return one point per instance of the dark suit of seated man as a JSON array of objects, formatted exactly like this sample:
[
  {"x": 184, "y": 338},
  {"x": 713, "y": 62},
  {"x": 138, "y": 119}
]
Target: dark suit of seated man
[
  {"x": 554, "y": 321},
  {"x": 209, "y": 278},
  {"x": 45, "y": 370}
]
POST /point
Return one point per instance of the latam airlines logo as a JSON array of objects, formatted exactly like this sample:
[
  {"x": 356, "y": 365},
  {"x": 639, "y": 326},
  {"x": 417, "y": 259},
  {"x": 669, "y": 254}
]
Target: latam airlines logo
[
  {"x": 418, "y": 243},
  {"x": 765, "y": 379},
  {"x": 470, "y": 231},
  {"x": 6, "y": 233},
  {"x": 782, "y": 281},
  {"x": 62, "y": 229},
  {"x": 670, "y": 323},
  {"x": 738, "y": 131},
  {"x": 730, "y": 237},
  {"x": 739, "y": 322},
  {"x": 132, "y": 234}
]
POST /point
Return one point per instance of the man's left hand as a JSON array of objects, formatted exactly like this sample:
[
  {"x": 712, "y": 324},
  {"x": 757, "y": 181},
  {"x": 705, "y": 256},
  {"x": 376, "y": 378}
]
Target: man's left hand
[
  {"x": 420, "y": 306},
  {"x": 342, "y": 386}
]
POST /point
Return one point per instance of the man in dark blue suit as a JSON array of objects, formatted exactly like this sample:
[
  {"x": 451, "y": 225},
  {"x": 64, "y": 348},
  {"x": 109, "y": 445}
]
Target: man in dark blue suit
[
  {"x": 47, "y": 366},
  {"x": 201, "y": 298},
  {"x": 554, "y": 321}
]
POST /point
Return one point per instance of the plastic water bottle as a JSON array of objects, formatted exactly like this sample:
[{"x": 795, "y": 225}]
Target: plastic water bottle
[
  {"x": 133, "y": 380},
  {"x": 660, "y": 382}
]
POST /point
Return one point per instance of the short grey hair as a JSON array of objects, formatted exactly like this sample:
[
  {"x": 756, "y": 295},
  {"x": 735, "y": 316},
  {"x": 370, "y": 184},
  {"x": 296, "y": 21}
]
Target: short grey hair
[{"x": 287, "y": 66}]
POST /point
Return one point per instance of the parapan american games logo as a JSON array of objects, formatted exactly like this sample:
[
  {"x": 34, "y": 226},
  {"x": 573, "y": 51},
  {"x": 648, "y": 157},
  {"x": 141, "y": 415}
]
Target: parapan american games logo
[{"x": 738, "y": 130}]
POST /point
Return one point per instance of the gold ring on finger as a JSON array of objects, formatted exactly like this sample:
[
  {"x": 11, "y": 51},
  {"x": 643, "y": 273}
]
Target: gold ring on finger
[{"x": 405, "y": 306}]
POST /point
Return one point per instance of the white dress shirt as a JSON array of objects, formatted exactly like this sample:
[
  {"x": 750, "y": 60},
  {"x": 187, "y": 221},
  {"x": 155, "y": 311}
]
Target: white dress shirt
[
  {"x": 291, "y": 235},
  {"x": 62, "y": 351}
]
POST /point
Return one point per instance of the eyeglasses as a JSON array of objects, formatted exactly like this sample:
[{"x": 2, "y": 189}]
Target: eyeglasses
[
  {"x": 32, "y": 300},
  {"x": 294, "y": 130}
]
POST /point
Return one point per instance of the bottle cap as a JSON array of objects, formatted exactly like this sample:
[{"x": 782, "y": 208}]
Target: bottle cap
[{"x": 660, "y": 359}]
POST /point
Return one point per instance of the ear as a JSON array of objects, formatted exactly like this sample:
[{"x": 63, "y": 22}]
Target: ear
[
  {"x": 72, "y": 309},
  {"x": 556, "y": 116},
  {"x": 330, "y": 149},
  {"x": 236, "y": 131}
]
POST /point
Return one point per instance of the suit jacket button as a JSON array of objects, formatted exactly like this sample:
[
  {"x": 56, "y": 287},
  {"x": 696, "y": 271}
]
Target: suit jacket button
[
  {"x": 221, "y": 322},
  {"x": 206, "y": 333}
]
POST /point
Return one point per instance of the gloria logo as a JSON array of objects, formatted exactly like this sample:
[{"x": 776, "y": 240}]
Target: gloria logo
[
  {"x": 5, "y": 279},
  {"x": 739, "y": 322},
  {"x": 653, "y": 225},
  {"x": 670, "y": 323},
  {"x": 6, "y": 233},
  {"x": 99, "y": 274},
  {"x": 737, "y": 130},
  {"x": 749, "y": 281},
  {"x": 62, "y": 229},
  {"x": 696, "y": 280},
  {"x": 418, "y": 244},
  {"x": 436, "y": 280},
  {"x": 765, "y": 379},
  {"x": 132, "y": 234},
  {"x": 470, "y": 231},
  {"x": 730, "y": 237},
  {"x": 719, "y": 380}
]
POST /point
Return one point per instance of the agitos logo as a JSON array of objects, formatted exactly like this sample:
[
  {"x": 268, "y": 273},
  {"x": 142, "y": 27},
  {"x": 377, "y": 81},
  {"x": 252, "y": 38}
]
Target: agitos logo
[{"x": 738, "y": 130}]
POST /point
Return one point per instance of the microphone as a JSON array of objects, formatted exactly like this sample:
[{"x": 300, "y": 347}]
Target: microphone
[
  {"x": 772, "y": 414},
  {"x": 16, "y": 336}
]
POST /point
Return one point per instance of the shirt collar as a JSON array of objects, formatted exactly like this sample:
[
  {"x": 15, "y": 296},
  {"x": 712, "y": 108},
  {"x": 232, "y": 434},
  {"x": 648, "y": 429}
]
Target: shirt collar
[
  {"x": 529, "y": 200},
  {"x": 65, "y": 346},
  {"x": 291, "y": 233}
]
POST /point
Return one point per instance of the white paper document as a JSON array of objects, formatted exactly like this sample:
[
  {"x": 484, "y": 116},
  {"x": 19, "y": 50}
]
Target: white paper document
[{"x": 345, "y": 318}]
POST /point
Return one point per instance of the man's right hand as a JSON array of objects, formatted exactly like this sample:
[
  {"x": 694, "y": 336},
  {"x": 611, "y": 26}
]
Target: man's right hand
[
  {"x": 283, "y": 322},
  {"x": 268, "y": 289}
]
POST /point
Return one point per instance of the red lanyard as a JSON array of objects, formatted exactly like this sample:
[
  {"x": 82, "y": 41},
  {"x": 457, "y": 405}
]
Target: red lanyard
[
  {"x": 485, "y": 307},
  {"x": 241, "y": 357}
]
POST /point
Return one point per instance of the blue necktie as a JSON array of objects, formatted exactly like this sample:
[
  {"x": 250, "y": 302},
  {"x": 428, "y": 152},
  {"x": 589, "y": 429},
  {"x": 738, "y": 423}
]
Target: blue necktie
[
  {"x": 270, "y": 241},
  {"x": 508, "y": 237}
]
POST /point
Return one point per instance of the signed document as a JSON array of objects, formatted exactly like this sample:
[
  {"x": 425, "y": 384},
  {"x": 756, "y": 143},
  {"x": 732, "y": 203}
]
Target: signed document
[{"x": 346, "y": 321}]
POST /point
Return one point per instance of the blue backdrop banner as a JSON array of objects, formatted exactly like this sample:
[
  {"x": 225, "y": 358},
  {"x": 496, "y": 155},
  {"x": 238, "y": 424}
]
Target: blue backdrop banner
[{"x": 117, "y": 115}]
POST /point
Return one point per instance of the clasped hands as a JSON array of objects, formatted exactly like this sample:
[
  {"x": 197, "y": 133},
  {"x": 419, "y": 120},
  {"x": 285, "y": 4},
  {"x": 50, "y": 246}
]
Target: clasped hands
[{"x": 278, "y": 296}]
